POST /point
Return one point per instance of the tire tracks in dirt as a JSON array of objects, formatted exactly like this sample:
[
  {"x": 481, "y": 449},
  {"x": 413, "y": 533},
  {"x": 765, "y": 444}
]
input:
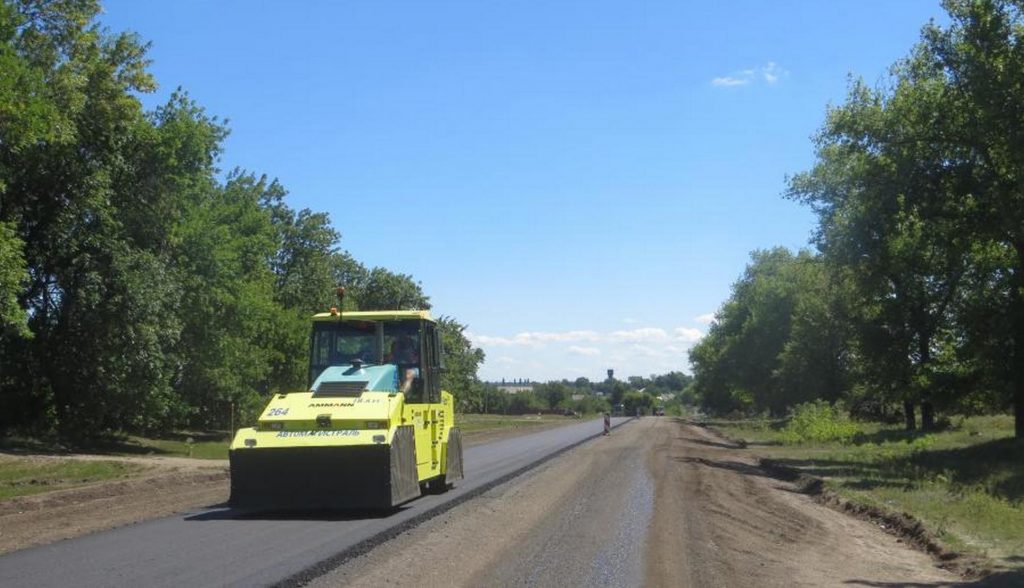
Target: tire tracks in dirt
[{"x": 721, "y": 520}]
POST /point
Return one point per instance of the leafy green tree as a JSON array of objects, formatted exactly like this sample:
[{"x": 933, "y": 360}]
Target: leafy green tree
[
  {"x": 815, "y": 361},
  {"x": 306, "y": 255},
  {"x": 73, "y": 132},
  {"x": 553, "y": 394},
  {"x": 227, "y": 343},
  {"x": 383, "y": 289},
  {"x": 917, "y": 189},
  {"x": 461, "y": 362},
  {"x": 887, "y": 203},
  {"x": 774, "y": 342},
  {"x": 138, "y": 290},
  {"x": 525, "y": 402},
  {"x": 13, "y": 274},
  {"x": 591, "y": 404},
  {"x": 978, "y": 63},
  {"x": 637, "y": 402},
  {"x": 672, "y": 381}
]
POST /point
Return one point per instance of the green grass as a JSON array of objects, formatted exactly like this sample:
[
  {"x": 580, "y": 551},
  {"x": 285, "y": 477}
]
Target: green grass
[
  {"x": 212, "y": 445},
  {"x": 177, "y": 447},
  {"x": 474, "y": 423},
  {"x": 965, "y": 484},
  {"x": 25, "y": 476}
]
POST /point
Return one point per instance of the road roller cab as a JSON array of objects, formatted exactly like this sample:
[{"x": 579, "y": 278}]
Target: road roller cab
[{"x": 373, "y": 429}]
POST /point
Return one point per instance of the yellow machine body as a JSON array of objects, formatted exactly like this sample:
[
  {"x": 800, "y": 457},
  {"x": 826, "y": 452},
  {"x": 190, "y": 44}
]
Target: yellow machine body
[{"x": 373, "y": 431}]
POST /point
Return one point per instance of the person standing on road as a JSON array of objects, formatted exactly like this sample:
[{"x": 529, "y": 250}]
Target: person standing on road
[{"x": 607, "y": 423}]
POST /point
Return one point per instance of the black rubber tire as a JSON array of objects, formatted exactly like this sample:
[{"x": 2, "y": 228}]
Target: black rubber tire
[{"x": 436, "y": 486}]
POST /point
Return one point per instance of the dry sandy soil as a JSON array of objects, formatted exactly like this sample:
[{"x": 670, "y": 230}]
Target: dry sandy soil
[{"x": 712, "y": 518}]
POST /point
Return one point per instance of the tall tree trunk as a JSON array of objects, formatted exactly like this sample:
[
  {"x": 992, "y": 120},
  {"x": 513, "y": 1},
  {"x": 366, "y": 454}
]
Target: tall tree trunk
[
  {"x": 1018, "y": 402},
  {"x": 925, "y": 358},
  {"x": 1017, "y": 350},
  {"x": 927, "y": 416},
  {"x": 1018, "y": 370},
  {"x": 911, "y": 418}
]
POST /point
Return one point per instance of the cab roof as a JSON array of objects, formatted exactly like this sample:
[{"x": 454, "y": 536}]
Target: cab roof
[{"x": 376, "y": 315}]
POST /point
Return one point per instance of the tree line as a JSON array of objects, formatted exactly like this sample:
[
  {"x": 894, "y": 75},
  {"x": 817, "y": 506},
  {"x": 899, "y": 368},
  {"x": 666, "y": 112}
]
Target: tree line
[
  {"x": 140, "y": 288},
  {"x": 581, "y": 395},
  {"x": 914, "y": 298}
]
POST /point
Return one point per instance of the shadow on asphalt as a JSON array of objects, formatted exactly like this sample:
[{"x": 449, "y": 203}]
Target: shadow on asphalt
[{"x": 225, "y": 513}]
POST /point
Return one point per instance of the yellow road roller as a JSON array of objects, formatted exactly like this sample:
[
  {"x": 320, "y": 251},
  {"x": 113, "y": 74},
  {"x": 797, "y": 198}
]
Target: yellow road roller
[{"x": 374, "y": 429}]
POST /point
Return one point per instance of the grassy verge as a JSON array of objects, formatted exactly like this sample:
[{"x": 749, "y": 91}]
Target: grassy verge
[
  {"x": 965, "y": 484},
  {"x": 475, "y": 423},
  {"x": 22, "y": 476},
  {"x": 197, "y": 446},
  {"x": 213, "y": 445}
]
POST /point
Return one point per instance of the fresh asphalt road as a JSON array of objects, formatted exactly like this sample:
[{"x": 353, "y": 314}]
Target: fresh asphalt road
[{"x": 221, "y": 547}]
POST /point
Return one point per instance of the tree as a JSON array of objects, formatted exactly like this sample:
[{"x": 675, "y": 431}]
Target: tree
[
  {"x": 979, "y": 62},
  {"x": 139, "y": 291},
  {"x": 553, "y": 394},
  {"x": 231, "y": 324},
  {"x": 886, "y": 199},
  {"x": 461, "y": 362},
  {"x": 672, "y": 381},
  {"x": 637, "y": 402},
  {"x": 778, "y": 340},
  {"x": 306, "y": 257},
  {"x": 13, "y": 274},
  {"x": 918, "y": 193},
  {"x": 386, "y": 290},
  {"x": 99, "y": 298}
]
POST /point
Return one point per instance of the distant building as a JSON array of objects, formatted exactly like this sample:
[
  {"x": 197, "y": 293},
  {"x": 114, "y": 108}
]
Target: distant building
[{"x": 514, "y": 386}]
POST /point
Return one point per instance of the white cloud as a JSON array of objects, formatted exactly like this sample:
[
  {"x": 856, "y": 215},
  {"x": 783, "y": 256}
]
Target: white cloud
[
  {"x": 688, "y": 335},
  {"x": 730, "y": 81},
  {"x": 772, "y": 72},
  {"x": 540, "y": 338},
  {"x": 534, "y": 339},
  {"x": 769, "y": 73},
  {"x": 548, "y": 355},
  {"x": 641, "y": 334},
  {"x": 705, "y": 319}
]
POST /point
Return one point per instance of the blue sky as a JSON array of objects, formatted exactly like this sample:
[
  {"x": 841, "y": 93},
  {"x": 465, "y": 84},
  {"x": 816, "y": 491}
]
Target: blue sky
[{"x": 579, "y": 182}]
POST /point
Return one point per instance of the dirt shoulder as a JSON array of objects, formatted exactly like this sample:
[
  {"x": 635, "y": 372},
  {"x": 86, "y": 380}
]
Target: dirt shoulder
[{"x": 724, "y": 521}]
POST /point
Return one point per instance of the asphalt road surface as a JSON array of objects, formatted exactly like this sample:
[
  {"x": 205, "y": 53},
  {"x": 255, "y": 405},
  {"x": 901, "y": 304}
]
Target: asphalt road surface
[{"x": 222, "y": 547}]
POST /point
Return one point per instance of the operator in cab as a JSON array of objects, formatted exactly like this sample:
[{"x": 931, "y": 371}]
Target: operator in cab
[{"x": 403, "y": 354}]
